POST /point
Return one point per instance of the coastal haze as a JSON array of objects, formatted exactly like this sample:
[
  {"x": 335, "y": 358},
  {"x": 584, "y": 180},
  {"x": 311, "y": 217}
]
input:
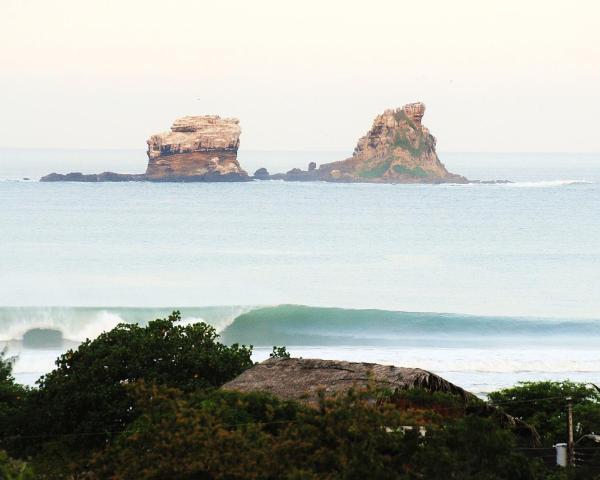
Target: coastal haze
[
  {"x": 463, "y": 280},
  {"x": 496, "y": 76}
]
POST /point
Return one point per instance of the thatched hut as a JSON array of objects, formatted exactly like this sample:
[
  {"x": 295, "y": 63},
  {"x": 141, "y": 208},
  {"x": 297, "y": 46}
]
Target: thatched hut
[{"x": 302, "y": 379}]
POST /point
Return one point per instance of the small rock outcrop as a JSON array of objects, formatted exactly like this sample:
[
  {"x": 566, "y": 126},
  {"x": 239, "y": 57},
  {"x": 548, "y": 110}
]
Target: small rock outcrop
[
  {"x": 196, "y": 149},
  {"x": 93, "y": 177},
  {"x": 261, "y": 174},
  {"x": 397, "y": 149}
]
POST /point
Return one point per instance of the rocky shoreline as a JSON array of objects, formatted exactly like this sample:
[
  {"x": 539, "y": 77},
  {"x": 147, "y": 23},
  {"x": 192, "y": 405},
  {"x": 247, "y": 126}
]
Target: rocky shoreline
[{"x": 398, "y": 148}]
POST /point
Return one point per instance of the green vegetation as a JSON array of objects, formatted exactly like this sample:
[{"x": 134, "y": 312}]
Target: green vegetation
[
  {"x": 544, "y": 406},
  {"x": 11, "y": 394},
  {"x": 143, "y": 403},
  {"x": 402, "y": 141},
  {"x": 11, "y": 469},
  {"x": 381, "y": 168},
  {"x": 400, "y": 115},
  {"x": 225, "y": 435},
  {"x": 82, "y": 403},
  {"x": 377, "y": 171},
  {"x": 415, "y": 172},
  {"x": 279, "y": 352}
]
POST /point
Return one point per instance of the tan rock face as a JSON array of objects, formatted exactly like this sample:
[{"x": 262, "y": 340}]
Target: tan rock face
[
  {"x": 415, "y": 111},
  {"x": 196, "y": 147},
  {"x": 397, "y": 149}
]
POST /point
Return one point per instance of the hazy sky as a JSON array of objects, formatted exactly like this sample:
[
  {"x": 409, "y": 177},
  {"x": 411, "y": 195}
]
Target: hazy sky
[{"x": 510, "y": 75}]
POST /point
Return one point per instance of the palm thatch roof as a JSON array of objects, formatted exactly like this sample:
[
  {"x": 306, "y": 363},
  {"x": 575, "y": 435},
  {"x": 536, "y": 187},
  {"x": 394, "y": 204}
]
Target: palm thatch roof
[{"x": 302, "y": 379}]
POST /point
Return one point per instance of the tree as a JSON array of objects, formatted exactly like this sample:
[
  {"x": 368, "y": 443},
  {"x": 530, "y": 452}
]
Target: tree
[
  {"x": 84, "y": 398},
  {"x": 543, "y": 405},
  {"x": 11, "y": 393}
]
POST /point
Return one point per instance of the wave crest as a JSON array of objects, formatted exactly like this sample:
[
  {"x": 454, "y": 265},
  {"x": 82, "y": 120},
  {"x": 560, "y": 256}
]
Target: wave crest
[{"x": 302, "y": 325}]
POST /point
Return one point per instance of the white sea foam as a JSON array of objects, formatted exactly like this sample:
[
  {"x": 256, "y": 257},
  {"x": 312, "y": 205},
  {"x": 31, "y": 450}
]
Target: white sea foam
[
  {"x": 73, "y": 326},
  {"x": 548, "y": 183},
  {"x": 220, "y": 323}
]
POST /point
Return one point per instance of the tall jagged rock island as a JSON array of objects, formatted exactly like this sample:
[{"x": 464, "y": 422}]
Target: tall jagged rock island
[
  {"x": 197, "y": 148},
  {"x": 397, "y": 149}
]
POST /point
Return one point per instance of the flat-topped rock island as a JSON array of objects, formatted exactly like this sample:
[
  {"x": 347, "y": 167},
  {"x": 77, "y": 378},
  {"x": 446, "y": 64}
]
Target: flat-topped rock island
[{"x": 196, "y": 149}]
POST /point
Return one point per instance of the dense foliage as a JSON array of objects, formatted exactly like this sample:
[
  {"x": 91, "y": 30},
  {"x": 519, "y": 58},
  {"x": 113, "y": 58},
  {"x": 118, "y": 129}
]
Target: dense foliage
[
  {"x": 544, "y": 406},
  {"x": 11, "y": 393},
  {"x": 83, "y": 401},
  {"x": 226, "y": 435},
  {"x": 11, "y": 399}
]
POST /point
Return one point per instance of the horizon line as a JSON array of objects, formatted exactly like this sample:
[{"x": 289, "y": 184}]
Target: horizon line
[{"x": 521, "y": 152}]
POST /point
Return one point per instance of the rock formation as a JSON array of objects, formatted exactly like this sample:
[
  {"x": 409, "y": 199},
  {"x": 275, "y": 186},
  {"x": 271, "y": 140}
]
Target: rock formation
[
  {"x": 196, "y": 148},
  {"x": 397, "y": 149},
  {"x": 261, "y": 174},
  {"x": 93, "y": 177}
]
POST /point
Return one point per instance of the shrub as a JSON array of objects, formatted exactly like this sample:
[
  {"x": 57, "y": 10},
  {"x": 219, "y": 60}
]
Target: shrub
[
  {"x": 85, "y": 395},
  {"x": 279, "y": 352}
]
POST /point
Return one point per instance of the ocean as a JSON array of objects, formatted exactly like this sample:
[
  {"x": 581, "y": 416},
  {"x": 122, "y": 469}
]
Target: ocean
[{"x": 486, "y": 285}]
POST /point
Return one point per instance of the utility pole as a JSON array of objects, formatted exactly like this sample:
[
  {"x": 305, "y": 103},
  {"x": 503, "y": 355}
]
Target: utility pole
[{"x": 570, "y": 450}]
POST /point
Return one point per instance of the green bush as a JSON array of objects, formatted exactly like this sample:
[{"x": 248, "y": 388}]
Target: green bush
[
  {"x": 84, "y": 401},
  {"x": 279, "y": 352}
]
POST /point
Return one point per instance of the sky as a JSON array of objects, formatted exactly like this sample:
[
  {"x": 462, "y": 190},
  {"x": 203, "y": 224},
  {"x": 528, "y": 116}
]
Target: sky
[{"x": 496, "y": 76}]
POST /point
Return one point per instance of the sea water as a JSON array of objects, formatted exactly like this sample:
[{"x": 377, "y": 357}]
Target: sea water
[{"x": 486, "y": 285}]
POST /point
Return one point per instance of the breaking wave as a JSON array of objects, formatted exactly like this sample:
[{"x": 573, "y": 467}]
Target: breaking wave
[
  {"x": 298, "y": 325},
  {"x": 302, "y": 325},
  {"x": 549, "y": 183},
  {"x": 480, "y": 353},
  {"x": 79, "y": 324}
]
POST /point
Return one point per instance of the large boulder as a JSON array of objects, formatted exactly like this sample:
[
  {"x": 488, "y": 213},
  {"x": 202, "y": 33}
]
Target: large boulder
[{"x": 196, "y": 149}]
